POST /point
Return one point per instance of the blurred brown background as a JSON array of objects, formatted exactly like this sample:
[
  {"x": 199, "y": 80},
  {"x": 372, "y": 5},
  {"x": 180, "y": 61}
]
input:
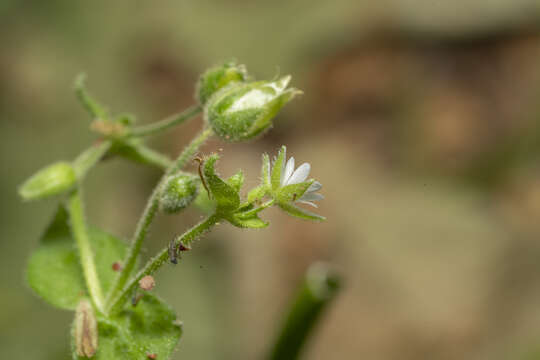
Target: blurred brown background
[{"x": 420, "y": 118}]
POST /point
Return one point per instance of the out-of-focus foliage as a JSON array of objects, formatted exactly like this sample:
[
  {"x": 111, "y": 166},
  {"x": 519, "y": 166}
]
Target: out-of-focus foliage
[{"x": 419, "y": 117}]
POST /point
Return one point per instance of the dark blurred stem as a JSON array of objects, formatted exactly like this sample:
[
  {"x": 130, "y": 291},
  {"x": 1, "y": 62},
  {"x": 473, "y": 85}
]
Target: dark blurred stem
[
  {"x": 320, "y": 286},
  {"x": 166, "y": 123}
]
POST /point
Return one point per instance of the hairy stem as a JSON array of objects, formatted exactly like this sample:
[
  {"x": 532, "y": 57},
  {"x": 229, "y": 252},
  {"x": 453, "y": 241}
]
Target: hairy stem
[
  {"x": 150, "y": 213},
  {"x": 157, "y": 261},
  {"x": 80, "y": 233},
  {"x": 166, "y": 123}
]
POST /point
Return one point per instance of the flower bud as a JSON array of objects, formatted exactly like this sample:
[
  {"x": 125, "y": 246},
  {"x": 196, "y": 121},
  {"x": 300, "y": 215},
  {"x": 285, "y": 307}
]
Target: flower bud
[
  {"x": 179, "y": 191},
  {"x": 243, "y": 111},
  {"x": 217, "y": 78},
  {"x": 51, "y": 180}
]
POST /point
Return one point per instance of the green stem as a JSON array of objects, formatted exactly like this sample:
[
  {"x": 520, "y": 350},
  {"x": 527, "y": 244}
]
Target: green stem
[
  {"x": 80, "y": 233},
  {"x": 190, "y": 150},
  {"x": 320, "y": 286},
  {"x": 150, "y": 212},
  {"x": 166, "y": 123},
  {"x": 142, "y": 154},
  {"x": 258, "y": 209},
  {"x": 157, "y": 261},
  {"x": 90, "y": 157}
]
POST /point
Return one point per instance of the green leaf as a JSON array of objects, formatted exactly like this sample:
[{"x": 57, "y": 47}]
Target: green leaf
[
  {"x": 94, "y": 108},
  {"x": 54, "y": 271},
  {"x": 293, "y": 191},
  {"x": 294, "y": 210},
  {"x": 256, "y": 193},
  {"x": 148, "y": 328},
  {"x": 279, "y": 164},
  {"x": 226, "y": 196}
]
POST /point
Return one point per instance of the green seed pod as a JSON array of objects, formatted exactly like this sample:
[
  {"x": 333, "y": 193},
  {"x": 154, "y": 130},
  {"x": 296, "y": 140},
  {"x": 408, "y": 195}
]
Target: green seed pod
[
  {"x": 242, "y": 111},
  {"x": 179, "y": 191},
  {"x": 217, "y": 78},
  {"x": 51, "y": 180}
]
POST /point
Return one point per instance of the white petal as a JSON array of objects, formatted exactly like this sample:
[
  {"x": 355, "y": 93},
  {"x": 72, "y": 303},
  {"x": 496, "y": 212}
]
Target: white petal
[
  {"x": 289, "y": 168},
  {"x": 299, "y": 174},
  {"x": 307, "y": 202},
  {"x": 316, "y": 186},
  {"x": 311, "y": 197}
]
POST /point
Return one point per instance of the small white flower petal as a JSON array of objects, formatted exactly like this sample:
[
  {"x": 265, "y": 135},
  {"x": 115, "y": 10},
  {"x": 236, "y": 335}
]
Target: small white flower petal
[
  {"x": 316, "y": 186},
  {"x": 308, "y": 202},
  {"x": 299, "y": 174},
  {"x": 311, "y": 197},
  {"x": 289, "y": 168}
]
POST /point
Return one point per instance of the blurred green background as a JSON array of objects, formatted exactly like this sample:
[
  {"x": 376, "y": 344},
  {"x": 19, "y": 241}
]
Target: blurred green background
[{"x": 421, "y": 119}]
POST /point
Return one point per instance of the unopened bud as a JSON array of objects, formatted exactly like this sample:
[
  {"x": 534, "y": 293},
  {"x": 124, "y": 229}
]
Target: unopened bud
[
  {"x": 51, "y": 180},
  {"x": 218, "y": 77},
  {"x": 179, "y": 191},
  {"x": 243, "y": 111}
]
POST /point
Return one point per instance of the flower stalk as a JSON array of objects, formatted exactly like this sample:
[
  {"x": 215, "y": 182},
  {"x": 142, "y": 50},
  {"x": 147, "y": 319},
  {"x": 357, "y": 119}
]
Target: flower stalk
[
  {"x": 150, "y": 212},
  {"x": 157, "y": 261}
]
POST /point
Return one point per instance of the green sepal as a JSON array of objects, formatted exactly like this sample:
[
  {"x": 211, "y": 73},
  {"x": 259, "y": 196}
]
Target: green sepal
[
  {"x": 236, "y": 181},
  {"x": 137, "y": 332},
  {"x": 252, "y": 221},
  {"x": 218, "y": 77},
  {"x": 54, "y": 271},
  {"x": 257, "y": 193},
  {"x": 203, "y": 202},
  {"x": 292, "y": 192},
  {"x": 277, "y": 169},
  {"x": 54, "y": 179},
  {"x": 294, "y": 210},
  {"x": 226, "y": 196},
  {"x": 265, "y": 171}
]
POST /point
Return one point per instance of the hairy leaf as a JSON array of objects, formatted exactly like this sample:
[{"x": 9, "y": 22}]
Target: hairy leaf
[
  {"x": 147, "y": 329},
  {"x": 54, "y": 271}
]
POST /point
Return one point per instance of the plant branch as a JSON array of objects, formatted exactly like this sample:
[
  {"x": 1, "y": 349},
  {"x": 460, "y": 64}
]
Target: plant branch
[
  {"x": 80, "y": 233},
  {"x": 166, "y": 123},
  {"x": 157, "y": 261},
  {"x": 150, "y": 212},
  {"x": 90, "y": 157}
]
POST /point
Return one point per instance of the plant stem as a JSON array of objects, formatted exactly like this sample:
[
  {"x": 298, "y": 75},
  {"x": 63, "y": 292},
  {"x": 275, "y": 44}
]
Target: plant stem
[
  {"x": 150, "y": 211},
  {"x": 90, "y": 157},
  {"x": 320, "y": 286},
  {"x": 157, "y": 261},
  {"x": 258, "y": 209},
  {"x": 190, "y": 150},
  {"x": 166, "y": 123},
  {"x": 80, "y": 233},
  {"x": 142, "y": 154}
]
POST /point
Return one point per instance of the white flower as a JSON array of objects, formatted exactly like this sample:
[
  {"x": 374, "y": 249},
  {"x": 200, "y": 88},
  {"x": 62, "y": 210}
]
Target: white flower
[{"x": 289, "y": 176}]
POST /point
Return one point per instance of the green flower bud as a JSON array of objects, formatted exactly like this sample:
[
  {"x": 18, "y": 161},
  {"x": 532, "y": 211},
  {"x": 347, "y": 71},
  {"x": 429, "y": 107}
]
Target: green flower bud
[
  {"x": 217, "y": 78},
  {"x": 179, "y": 191},
  {"x": 51, "y": 180},
  {"x": 243, "y": 111}
]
